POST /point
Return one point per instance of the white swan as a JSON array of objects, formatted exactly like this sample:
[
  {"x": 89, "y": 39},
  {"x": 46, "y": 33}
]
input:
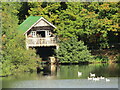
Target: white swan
[
  {"x": 102, "y": 77},
  {"x": 107, "y": 80},
  {"x": 90, "y": 78},
  {"x": 79, "y": 74},
  {"x": 96, "y": 79},
  {"x": 92, "y": 75}
]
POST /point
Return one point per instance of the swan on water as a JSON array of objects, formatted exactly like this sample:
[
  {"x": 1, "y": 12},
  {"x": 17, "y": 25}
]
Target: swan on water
[
  {"x": 107, "y": 80},
  {"x": 89, "y": 78},
  {"x": 101, "y": 77},
  {"x": 92, "y": 75},
  {"x": 96, "y": 79},
  {"x": 79, "y": 73}
]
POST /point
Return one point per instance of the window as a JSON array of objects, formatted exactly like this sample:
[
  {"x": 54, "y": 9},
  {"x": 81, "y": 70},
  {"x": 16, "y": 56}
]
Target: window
[
  {"x": 48, "y": 33},
  {"x": 33, "y": 33}
]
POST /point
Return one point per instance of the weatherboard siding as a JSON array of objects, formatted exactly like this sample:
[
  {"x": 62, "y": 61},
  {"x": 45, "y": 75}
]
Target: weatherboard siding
[{"x": 41, "y": 23}]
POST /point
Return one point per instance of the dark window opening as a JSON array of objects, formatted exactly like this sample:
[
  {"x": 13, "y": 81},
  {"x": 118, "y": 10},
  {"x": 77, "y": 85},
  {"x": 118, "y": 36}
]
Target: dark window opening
[{"x": 40, "y": 33}]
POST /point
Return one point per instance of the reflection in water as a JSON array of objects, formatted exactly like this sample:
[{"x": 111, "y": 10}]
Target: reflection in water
[
  {"x": 63, "y": 74},
  {"x": 71, "y": 71},
  {"x": 50, "y": 70}
]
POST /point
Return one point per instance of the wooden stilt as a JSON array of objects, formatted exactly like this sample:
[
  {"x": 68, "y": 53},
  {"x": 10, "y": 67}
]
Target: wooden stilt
[{"x": 57, "y": 47}]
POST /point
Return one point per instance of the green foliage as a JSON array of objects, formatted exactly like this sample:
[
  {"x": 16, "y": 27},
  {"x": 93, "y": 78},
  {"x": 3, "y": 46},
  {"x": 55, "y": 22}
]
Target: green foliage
[
  {"x": 90, "y": 22},
  {"x": 15, "y": 56},
  {"x": 73, "y": 51},
  {"x": 118, "y": 58},
  {"x": 101, "y": 58}
]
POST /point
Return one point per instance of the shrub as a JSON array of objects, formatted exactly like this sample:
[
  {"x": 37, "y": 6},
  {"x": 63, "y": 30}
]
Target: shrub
[
  {"x": 73, "y": 51},
  {"x": 101, "y": 58},
  {"x": 118, "y": 58}
]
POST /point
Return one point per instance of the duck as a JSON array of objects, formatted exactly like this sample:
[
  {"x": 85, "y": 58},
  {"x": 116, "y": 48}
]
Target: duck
[
  {"x": 89, "y": 78},
  {"x": 107, "y": 80},
  {"x": 79, "y": 73},
  {"x": 92, "y": 75}
]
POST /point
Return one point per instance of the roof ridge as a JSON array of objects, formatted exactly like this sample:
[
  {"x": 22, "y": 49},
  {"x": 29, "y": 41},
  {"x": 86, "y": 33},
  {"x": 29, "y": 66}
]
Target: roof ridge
[{"x": 29, "y": 17}]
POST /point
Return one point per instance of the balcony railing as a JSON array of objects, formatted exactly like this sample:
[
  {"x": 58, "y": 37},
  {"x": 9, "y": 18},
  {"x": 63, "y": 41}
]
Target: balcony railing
[{"x": 51, "y": 41}]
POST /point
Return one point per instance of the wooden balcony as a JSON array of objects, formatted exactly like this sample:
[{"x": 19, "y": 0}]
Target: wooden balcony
[{"x": 34, "y": 42}]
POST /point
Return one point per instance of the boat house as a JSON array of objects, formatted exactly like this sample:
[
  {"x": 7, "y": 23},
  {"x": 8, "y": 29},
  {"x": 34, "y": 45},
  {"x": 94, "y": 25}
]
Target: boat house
[{"x": 39, "y": 33}]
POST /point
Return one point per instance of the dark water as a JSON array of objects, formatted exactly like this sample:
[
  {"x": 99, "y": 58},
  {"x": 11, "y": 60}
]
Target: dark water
[{"x": 66, "y": 76}]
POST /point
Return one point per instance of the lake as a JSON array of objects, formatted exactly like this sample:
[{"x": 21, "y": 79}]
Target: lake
[{"x": 66, "y": 76}]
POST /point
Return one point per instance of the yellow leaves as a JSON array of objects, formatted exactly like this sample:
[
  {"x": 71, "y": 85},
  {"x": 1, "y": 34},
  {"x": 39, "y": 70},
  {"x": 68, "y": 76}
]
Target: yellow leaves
[
  {"x": 104, "y": 6},
  {"x": 108, "y": 29},
  {"x": 15, "y": 11},
  {"x": 114, "y": 30},
  {"x": 84, "y": 10},
  {"x": 103, "y": 31},
  {"x": 91, "y": 15},
  {"x": 116, "y": 26},
  {"x": 116, "y": 34},
  {"x": 105, "y": 21},
  {"x": 39, "y": 9}
]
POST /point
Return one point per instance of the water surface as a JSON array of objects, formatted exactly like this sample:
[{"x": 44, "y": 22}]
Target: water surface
[{"x": 65, "y": 76}]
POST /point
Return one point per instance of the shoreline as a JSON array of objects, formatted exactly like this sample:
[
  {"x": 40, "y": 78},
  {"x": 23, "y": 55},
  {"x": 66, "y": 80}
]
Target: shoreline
[{"x": 2, "y": 76}]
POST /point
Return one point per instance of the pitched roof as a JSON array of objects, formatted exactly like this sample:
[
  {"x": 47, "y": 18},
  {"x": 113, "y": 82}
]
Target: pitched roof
[
  {"x": 30, "y": 22},
  {"x": 23, "y": 27}
]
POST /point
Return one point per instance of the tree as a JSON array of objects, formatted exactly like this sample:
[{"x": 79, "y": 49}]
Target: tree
[{"x": 15, "y": 56}]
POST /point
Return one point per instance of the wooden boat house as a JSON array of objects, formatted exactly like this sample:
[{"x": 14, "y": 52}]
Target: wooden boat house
[{"x": 38, "y": 32}]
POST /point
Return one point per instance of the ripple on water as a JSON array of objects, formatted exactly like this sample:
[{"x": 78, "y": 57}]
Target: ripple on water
[{"x": 68, "y": 83}]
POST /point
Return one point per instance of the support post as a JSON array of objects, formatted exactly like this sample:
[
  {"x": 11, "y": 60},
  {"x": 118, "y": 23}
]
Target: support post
[
  {"x": 57, "y": 47},
  {"x": 52, "y": 60}
]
